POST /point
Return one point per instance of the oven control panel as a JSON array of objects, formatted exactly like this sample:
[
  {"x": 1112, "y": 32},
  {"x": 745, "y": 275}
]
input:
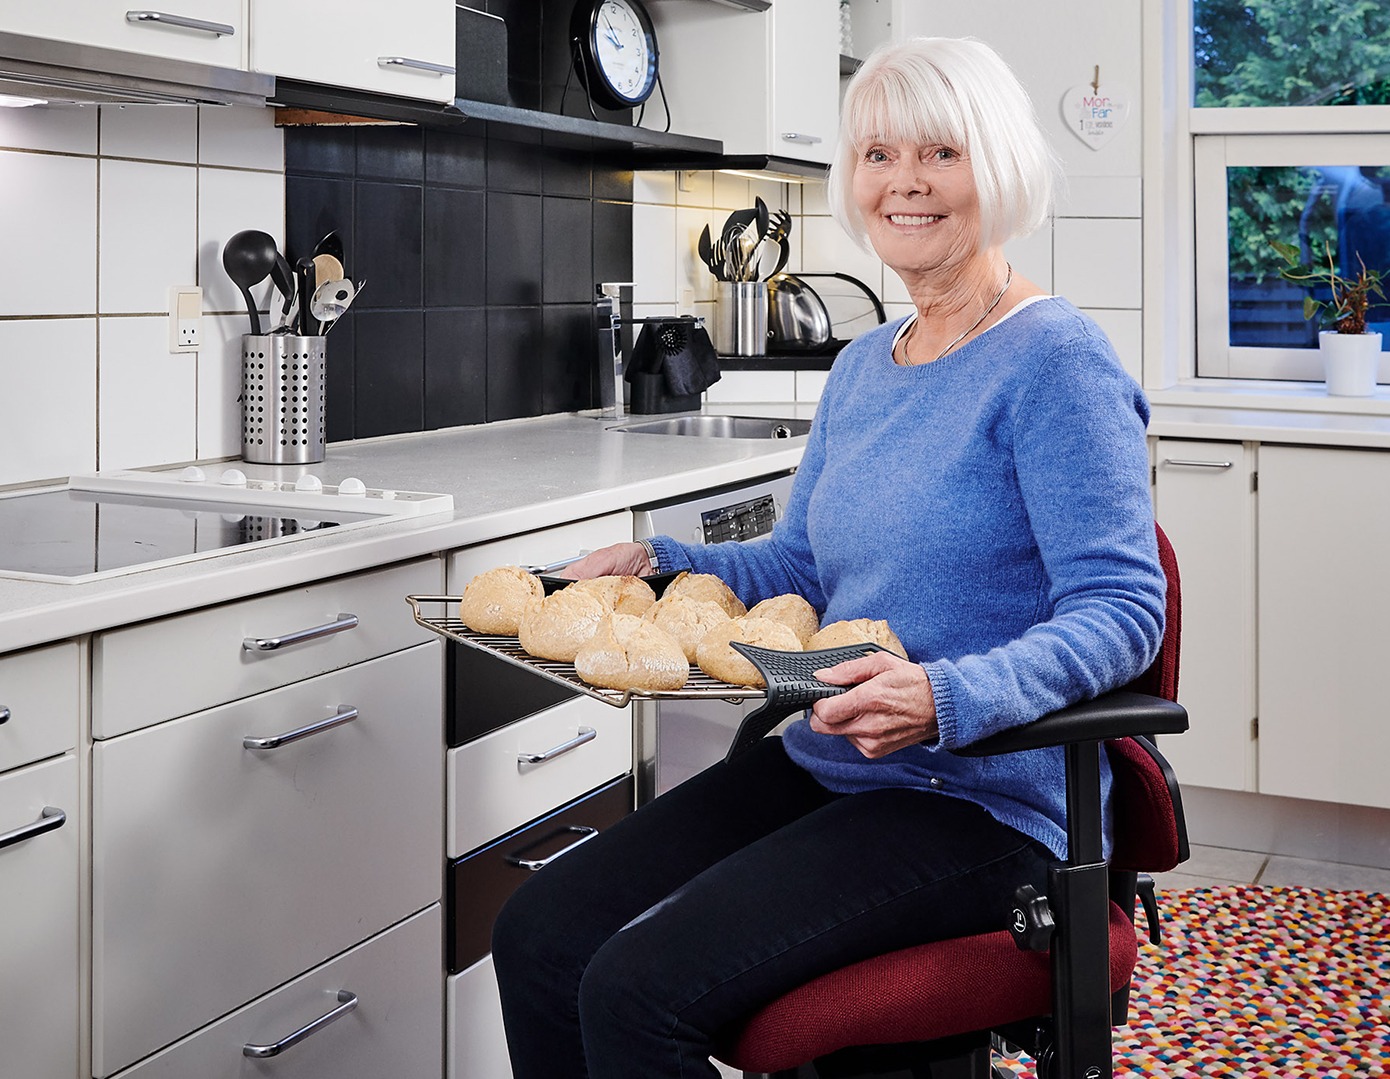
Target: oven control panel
[
  {"x": 738, "y": 512},
  {"x": 742, "y": 521}
]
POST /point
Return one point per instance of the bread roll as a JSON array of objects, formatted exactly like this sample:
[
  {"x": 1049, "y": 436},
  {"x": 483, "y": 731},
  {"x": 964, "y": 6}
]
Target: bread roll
[
  {"x": 687, "y": 620},
  {"x": 792, "y": 611},
  {"x": 627, "y": 652},
  {"x": 857, "y": 631},
  {"x": 494, "y": 602},
  {"x": 718, "y": 660},
  {"x": 708, "y": 587},
  {"x": 625, "y": 595},
  {"x": 560, "y": 623}
]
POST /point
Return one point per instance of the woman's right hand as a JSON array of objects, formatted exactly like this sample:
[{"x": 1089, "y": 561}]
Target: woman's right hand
[{"x": 620, "y": 559}]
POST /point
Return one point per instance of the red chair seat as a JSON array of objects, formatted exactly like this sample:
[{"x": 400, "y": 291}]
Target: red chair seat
[{"x": 916, "y": 994}]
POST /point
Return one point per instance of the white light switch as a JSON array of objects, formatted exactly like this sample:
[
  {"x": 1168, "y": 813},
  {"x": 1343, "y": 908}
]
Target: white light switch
[{"x": 185, "y": 318}]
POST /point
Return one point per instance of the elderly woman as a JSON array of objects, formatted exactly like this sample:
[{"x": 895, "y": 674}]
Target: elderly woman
[{"x": 977, "y": 476}]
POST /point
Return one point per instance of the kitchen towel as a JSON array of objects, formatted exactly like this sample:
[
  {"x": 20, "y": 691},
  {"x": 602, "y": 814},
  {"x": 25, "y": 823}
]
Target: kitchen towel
[{"x": 680, "y": 350}]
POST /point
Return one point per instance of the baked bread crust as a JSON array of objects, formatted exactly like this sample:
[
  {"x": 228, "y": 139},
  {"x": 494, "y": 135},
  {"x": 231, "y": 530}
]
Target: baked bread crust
[
  {"x": 496, "y": 600},
  {"x": 628, "y": 652},
  {"x": 687, "y": 620},
  {"x": 857, "y": 631},
  {"x": 623, "y": 595},
  {"x": 559, "y": 624},
  {"x": 708, "y": 587},
  {"x": 718, "y": 660},
  {"x": 792, "y": 611}
]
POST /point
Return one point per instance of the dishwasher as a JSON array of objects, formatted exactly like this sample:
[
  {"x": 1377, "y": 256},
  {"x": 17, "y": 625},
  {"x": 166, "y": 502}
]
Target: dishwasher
[{"x": 675, "y": 739}]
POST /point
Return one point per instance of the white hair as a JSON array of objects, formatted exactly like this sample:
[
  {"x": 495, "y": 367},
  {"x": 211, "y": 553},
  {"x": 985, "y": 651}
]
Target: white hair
[{"x": 958, "y": 92}]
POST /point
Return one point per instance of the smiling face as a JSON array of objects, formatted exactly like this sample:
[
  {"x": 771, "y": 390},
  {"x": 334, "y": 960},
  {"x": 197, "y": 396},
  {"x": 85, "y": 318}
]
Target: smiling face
[{"x": 919, "y": 204}]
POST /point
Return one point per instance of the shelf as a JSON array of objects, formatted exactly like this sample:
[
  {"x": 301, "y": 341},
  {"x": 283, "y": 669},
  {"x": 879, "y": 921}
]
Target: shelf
[{"x": 641, "y": 139}]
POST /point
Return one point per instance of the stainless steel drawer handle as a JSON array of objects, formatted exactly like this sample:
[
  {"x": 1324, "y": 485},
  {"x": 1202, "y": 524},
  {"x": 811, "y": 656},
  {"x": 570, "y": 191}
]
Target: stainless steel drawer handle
[
  {"x": 418, "y": 65},
  {"x": 345, "y": 715},
  {"x": 271, "y": 644},
  {"x": 221, "y": 29},
  {"x": 586, "y": 734},
  {"x": 551, "y": 567},
  {"x": 1198, "y": 464},
  {"x": 796, "y": 136},
  {"x": 585, "y": 834},
  {"x": 4, "y": 715},
  {"x": 346, "y": 1002},
  {"x": 50, "y": 820}
]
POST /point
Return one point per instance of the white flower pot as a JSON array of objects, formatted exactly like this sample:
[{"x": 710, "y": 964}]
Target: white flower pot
[{"x": 1350, "y": 361}]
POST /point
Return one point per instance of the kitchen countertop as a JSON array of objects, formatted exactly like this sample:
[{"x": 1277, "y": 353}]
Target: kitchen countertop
[
  {"x": 506, "y": 478},
  {"x": 1289, "y": 412}
]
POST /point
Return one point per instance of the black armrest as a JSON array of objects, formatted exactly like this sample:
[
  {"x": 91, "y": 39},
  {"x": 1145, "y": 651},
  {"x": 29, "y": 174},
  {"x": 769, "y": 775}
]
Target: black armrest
[{"x": 1114, "y": 715}]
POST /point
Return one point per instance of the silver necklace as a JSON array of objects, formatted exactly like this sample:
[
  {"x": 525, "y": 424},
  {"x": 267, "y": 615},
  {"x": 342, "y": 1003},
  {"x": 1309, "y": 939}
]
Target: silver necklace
[{"x": 1007, "y": 278}]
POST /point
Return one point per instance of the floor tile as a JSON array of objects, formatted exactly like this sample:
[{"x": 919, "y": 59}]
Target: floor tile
[
  {"x": 1299, "y": 871},
  {"x": 1239, "y": 865},
  {"x": 1178, "y": 881}
]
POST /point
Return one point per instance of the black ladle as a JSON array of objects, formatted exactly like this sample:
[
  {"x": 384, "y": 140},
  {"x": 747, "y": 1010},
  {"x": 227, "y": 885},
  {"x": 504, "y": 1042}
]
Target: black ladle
[
  {"x": 249, "y": 257},
  {"x": 308, "y": 281},
  {"x": 331, "y": 244},
  {"x": 283, "y": 277}
]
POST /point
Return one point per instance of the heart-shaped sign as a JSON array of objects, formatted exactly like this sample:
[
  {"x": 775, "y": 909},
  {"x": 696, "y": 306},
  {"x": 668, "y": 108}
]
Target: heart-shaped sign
[{"x": 1095, "y": 114}]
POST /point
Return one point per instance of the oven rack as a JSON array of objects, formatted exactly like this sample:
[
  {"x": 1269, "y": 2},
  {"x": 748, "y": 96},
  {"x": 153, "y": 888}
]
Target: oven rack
[{"x": 700, "y": 686}]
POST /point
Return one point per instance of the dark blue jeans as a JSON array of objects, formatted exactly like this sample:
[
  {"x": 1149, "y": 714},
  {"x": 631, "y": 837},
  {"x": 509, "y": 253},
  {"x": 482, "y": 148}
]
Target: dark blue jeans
[{"x": 624, "y": 958}]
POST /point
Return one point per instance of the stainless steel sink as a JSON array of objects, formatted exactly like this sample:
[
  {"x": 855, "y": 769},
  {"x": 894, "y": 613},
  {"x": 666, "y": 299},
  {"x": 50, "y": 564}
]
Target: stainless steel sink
[{"x": 720, "y": 427}]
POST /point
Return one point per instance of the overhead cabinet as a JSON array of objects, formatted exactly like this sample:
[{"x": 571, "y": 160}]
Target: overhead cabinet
[
  {"x": 404, "y": 49},
  {"x": 203, "y": 31}
]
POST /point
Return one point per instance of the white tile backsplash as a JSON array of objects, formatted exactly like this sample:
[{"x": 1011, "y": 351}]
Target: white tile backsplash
[
  {"x": 1126, "y": 332},
  {"x": 825, "y": 247},
  {"x": 695, "y": 189},
  {"x": 654, "y": 187},
  {"x": 654, "y": 254},
  {"x": 48, "y": 398},
  {"x": 149, "y": 232},
  {"x": 731, "y": 192},
  {"x": 151, "y": 132},
  {"x": 147, "y": 401},
  {"x": 48, "y": 212},
  {"x": 102, "y": 389},
  {"x": 1101, "y": 196},
  {"x": 741, "y": 387},
  {"x": 1031, "y": 256},
  {"x": 691, "y": 271},
  {"x": 1098, "y": 262}
]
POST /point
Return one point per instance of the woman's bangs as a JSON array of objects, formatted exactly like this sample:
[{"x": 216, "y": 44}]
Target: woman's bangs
[{"x": 896, "y": 108}]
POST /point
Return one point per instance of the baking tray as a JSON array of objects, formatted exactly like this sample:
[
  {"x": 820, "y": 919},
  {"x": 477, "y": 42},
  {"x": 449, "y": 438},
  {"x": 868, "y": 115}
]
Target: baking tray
[{"x": 445, "y": 622}]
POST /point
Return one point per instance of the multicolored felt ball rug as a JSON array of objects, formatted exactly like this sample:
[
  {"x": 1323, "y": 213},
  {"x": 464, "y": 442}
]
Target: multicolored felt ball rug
[{"x": 1253, "y": 982}]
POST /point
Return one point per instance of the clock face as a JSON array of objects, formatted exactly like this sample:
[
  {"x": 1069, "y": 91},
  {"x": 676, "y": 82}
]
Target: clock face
[{"x": 623, "y": 50}]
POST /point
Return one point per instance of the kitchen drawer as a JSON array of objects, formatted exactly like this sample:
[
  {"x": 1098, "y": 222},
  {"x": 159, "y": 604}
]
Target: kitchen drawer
[
  {"x": 159, "y": 670},
  {"x": 538, "y": 548},
  {"x": 395, "y": 1028},
  {"x": 104, "y": 23},
  {"x": 477, "y": 1040},
  {"x": 478, "y": 885},
  {"x": 219, "y": 871},
  {"x": 491, "y": 792},
  {"x": 38, "y": 928},
  {"x": 39, "y": 702}
]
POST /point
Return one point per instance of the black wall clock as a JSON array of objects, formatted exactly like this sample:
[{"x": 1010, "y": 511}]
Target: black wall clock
[{"x": 614, "y": 51}]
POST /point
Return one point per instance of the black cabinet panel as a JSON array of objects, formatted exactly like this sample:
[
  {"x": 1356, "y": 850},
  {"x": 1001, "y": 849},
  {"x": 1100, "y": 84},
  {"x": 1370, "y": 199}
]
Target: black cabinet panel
[{"x": 485, "y": 693}]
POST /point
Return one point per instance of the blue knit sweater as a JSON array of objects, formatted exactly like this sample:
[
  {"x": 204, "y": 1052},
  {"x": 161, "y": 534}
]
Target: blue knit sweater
[{"x": 993, "y": 506}]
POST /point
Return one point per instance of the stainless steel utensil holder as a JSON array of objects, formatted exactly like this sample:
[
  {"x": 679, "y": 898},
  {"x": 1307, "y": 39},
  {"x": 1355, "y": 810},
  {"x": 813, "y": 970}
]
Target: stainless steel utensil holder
[
  {"x": 282, "y": 399},
  {"x": 740, "y": 318}
]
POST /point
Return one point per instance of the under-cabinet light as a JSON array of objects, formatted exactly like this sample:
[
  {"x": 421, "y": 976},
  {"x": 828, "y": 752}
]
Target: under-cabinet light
[{"x": 8, "y": 101}]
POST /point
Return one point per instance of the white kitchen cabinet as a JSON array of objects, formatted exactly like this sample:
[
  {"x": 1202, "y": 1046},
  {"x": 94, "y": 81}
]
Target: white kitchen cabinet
[
  {"x": 477, "y": 1041},
  {"x": 538, "y": 548},
  {"x": 203, "y": 31},
  {"x": 1324, "y": 530},
  {"x": 393, "y": 1028},
  {"x": 38, "y": 927},
  {"x": 222, "y": 869},
  {"x": 405, "y": 49},
  {"x": 157, "y": 670},
  {"x": 1204, "y": 500},
  {"x": 39, "y": 700},
  {"x": 762, "y": 83}
]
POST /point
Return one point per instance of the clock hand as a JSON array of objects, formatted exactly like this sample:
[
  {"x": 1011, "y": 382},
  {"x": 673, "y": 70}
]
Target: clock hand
[{"x": 612, "y": 34}]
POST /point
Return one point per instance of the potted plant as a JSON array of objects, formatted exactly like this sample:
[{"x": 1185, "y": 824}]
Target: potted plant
[{"x": 1350, "y": 354}]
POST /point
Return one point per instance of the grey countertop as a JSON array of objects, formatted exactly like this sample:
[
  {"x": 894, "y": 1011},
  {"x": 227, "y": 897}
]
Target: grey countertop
[{"x": 505, "y": 478}]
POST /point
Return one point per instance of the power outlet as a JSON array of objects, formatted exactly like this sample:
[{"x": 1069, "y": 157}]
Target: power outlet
[{"x": 185, "y": 318}]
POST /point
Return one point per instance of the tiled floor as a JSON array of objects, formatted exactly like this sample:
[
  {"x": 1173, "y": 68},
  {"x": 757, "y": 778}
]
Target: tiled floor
[{"x": 1211, "y": 866}]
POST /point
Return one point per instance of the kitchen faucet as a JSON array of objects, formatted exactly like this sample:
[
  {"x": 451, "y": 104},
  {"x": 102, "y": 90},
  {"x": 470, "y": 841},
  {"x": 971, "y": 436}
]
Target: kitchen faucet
[{"x": 610, "y": 347}]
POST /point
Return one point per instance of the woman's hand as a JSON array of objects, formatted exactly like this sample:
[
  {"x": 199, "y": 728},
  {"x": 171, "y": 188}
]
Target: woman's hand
[
  {"x": 621, "y": 559},
  {"x": 891, "y": 705}
]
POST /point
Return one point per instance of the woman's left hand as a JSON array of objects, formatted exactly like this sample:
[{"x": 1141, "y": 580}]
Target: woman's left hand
[{"x": 891, "y": 705}]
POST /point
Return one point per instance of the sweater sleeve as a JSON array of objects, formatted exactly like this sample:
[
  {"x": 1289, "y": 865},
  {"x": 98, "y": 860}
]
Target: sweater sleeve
[
  {"x": 1082, "y": 468},
  {"x": 772, "y": 565}
]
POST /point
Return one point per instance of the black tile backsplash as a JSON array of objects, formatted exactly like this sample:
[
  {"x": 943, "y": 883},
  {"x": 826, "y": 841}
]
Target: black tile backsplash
[{"x": 480, "y": 254}]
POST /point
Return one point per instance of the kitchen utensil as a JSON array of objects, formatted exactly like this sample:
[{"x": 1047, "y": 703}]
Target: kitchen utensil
[
  {"x": 331, "y": 244},
  {"x": 327, "y": 268},
  {"x": 356, "y": 291},
  {"x": 307, "y": 283},
  {"x": 283, "y": 276},
  {"x": 797, "y": 316},
  {"x": 740, "y": 318},
  {"x": 249, "y": 257},
  {"x": 705, "y": 248},
  {"x": 282, "y": 398},
  {"x": 331, "y": 299}
]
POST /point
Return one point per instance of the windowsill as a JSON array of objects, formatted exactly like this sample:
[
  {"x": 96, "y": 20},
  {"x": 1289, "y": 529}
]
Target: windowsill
[{"x": 1268, "y": 394}]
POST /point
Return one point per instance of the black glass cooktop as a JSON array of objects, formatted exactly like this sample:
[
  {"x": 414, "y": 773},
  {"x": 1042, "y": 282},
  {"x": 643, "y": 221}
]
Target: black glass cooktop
[{"x": 70, "y": 533}]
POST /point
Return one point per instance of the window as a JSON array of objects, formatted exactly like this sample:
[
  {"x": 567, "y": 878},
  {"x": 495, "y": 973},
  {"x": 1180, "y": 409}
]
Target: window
[{"x": 1291, "y": 100}]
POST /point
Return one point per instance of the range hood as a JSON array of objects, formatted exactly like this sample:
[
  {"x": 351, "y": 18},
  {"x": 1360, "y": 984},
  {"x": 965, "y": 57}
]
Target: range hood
[{"x": 62, "y": 71}]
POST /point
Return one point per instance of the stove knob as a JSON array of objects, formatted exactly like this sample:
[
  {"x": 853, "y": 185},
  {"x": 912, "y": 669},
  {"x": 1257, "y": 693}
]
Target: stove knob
[
  {"x": 309, "y": 483},
  {"x": 352, "y": 487},
  {"x": 193, "y": 474},
  {"x": 233, "y": 477}
]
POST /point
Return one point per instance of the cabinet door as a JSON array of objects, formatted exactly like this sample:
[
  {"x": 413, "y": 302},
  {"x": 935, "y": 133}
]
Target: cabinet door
[
  {"x": 405, "y": 49},
  {"x": 203, "y": 31},
  {"x": 477, "y": 1040},
  {"x": 1203, "y": 500},
  {"x": 1324, "y": 592},
  {"x": 38, "y": 927},
  {"x": 38, "y": 703},
  {"x": 220, "y": 870},
  {"x": 805, "y": 84}
]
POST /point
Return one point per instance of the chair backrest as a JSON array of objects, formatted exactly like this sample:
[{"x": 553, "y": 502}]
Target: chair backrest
[{"x": 1150, "y": 832}]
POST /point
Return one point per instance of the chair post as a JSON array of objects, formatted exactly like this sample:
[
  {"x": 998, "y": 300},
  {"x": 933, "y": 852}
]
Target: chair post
[{"x": 1078, "y": 893}]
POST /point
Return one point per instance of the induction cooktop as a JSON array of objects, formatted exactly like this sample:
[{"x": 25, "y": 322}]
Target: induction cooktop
[{"x": 111, "y": 523}]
